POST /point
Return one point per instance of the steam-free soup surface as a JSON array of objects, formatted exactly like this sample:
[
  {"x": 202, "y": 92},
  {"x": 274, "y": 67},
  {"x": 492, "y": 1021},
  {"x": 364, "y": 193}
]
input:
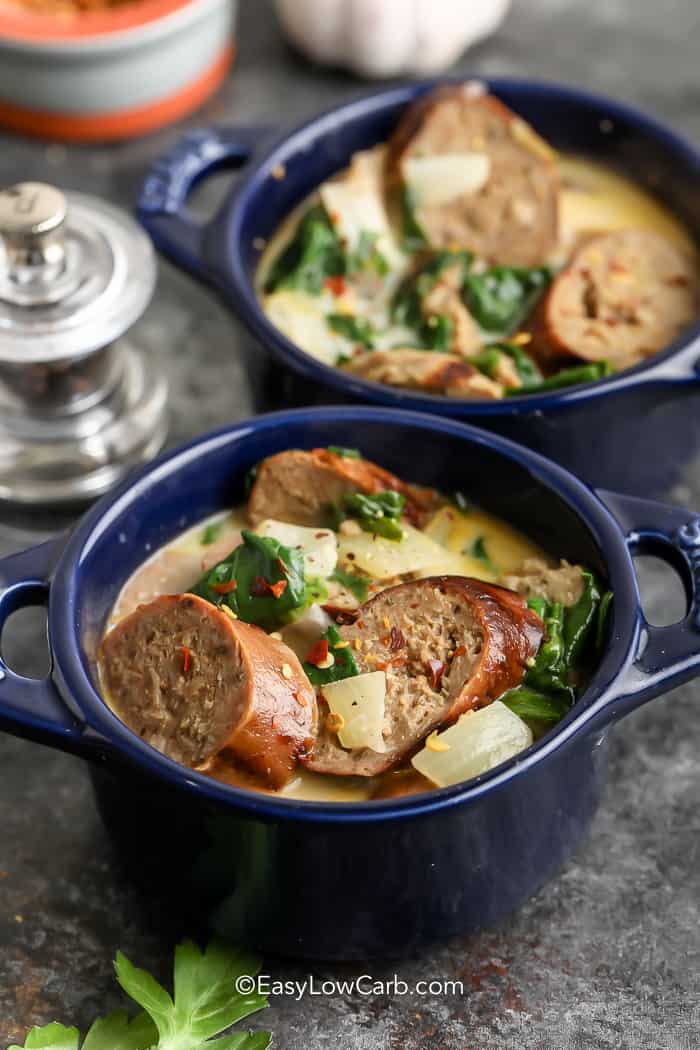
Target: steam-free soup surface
[
  {"x": 478, "y": 264},
  {"x": 173, "y": 568}
]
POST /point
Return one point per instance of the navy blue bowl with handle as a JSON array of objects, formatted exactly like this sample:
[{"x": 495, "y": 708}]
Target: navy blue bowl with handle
[
  {"x": 633, "y": 431},
  {"x": 351, "y": 880}
]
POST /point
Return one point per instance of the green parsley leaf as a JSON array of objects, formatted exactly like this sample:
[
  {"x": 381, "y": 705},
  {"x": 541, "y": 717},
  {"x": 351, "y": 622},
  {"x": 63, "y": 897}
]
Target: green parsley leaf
[
  {"x": 117, "y": 1032},
  {"x": 205, "y": 1001},
  {"x": 54, "y": 1036}
]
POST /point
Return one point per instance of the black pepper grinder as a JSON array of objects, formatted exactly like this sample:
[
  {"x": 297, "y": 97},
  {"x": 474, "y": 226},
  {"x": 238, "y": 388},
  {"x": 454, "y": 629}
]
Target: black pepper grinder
[{"x": 79, "y": 404}]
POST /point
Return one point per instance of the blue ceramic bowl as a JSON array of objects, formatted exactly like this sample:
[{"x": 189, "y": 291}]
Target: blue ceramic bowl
[
  {"x": 347, "y": 881},
  {"x": 652, "y": 409}
]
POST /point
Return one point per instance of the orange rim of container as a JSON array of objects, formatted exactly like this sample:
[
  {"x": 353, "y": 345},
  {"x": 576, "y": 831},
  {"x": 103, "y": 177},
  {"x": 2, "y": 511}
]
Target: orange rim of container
[
  {"x": 21, "y": 25},
  {"x": 125, "y": 123}
]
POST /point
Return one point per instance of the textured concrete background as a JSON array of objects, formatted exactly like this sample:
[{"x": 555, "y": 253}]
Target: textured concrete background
[{"x": 608, "y": 955}]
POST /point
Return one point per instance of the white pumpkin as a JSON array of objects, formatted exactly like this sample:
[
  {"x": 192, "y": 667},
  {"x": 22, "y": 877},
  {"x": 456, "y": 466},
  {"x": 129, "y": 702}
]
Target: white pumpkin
[{"x": 388, "y": 38}]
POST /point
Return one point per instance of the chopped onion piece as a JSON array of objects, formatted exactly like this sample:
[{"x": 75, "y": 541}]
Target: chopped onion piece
[
  {"x": 415, "y": 553},
  {"x": 439, "y": 179},
  {"x": 477, "y": 742},
  {"x": 360, "y": 703},
  {"x": 319, "y": 546}
]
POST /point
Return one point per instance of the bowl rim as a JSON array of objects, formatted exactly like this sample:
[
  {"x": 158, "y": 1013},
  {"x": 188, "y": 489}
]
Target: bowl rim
[
  {"x": 107, "y": 730},
  {"x": 234, "y": 279},
  {"x": 68, "y": 32}
]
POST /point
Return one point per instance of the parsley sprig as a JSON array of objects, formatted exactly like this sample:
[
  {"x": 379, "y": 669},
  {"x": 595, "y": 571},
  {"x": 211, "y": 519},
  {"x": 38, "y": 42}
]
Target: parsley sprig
[{"x": 205, "y": 1003}]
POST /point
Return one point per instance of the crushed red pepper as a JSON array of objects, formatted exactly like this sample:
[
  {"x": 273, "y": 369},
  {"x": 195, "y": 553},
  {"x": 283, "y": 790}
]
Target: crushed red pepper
[
  {"x": 336, "y": 285},
  {"x": 318, "y": 653},
  {"x": 261, "y": 588},
  {"x": 224, "y": 588},
  {"x": 396, "y": 640},
  {"x": 434, "y": 670},
  {"x": 186, "y": 658}
]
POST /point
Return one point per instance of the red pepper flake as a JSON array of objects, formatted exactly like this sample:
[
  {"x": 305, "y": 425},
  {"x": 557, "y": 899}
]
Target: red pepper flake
[
  {"x": 678, "y": 281},
  {"x": 186, "y": 658},
  {"x": 461, "y": 650},
  {"x": 300, "y": 699},
  {"x": 261, "y": 588},
  {"x": 318, "y": 653},
  {"x": 361, "y": 624},
  {"x": 434, "y": 670},
  {"x": 224, "y": 588},
  {"x": 393, "y": 661},
  {"x": 396, "y": 640},
  {"x": 336, "y": 285}
]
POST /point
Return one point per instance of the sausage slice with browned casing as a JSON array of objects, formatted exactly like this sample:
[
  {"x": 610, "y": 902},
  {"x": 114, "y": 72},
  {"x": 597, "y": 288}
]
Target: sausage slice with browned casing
[
  {"x": 428, "y": 370},
  {"x": 192, "y": 682},
  {"x": 447, "y": 645},
  {"x": 298, "y": 487},
  {"x": 624, "y": 296},
  {"x": 507, "y": 214}
]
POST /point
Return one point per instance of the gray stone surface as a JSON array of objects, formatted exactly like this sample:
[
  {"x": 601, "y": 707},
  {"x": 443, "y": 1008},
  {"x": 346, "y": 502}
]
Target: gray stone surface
[{"x": 607, "y": 955}]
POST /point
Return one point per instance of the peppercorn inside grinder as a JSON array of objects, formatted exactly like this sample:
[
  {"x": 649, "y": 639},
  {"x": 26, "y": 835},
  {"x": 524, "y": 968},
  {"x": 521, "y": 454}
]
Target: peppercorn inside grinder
[{"x": 79, "y": 405}]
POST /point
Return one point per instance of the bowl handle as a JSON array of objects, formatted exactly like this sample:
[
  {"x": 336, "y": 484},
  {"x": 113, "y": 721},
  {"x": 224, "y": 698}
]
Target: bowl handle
[
  {"x": 162, "y": 205},
  {"x": 666, "y": 656},
  {"x": 32, "y": 707}
]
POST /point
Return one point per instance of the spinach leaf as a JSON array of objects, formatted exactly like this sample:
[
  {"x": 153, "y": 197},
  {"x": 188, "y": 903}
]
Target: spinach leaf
[
  {"x": 345, "y": 453},
  {"x": 356, "y": 329},
  {"x": 534, "y": 706},
  {"x": 250, "y": 479},
  {"x": 436, "y": 332},
  {"x": 414, "y": 238},
  {"x": 343, "y": 665},
  {"x": 379, "y": 513},
  {"x": 568, "y": 377},
  {"x": 367, "y": 256},
  {"x": 580, "y": 620},
  {"x": 353, "y": 583},
  {"x": 602, "y": 621},
  {"x": 478, "y": 550},
  {"x": 500, "y": 299},
  {"x": 211, "y": 533},
  {"x": 406, "y": 306},
  {"x": 314, "y": 253},
  {"x": 261, "y": 581}
]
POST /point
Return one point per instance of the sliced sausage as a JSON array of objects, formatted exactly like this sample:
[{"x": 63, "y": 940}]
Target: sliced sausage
[
  {"x": 447, "y": 644},
  {"x": 445, "y": 300},
  {"x": 298, "y": 487},
  {"x": 624, "y": 295},
  {"x": 428, "y": 370},
  {"x": 511, "y": 218},
  {"x": 193, "y": 682},
  {"x": 536, "y": 579}
]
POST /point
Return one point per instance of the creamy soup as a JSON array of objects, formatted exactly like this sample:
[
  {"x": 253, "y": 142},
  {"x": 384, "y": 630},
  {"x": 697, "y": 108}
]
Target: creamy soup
[
  {"x": 482, "y": 269},
  {"x": 448, "y": 642}
]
